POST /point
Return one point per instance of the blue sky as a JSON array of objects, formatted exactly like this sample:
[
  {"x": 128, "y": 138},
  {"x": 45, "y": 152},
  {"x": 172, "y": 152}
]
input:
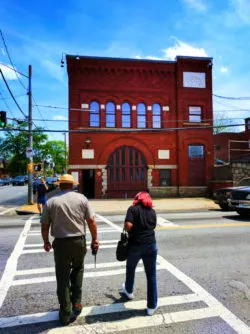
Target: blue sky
[{"x": 37, "y": 33}]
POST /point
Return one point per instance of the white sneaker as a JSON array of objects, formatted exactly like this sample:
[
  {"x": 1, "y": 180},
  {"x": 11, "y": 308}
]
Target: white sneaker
[
  {"x": 128, "y": 295},
  {"x": 150, "y": 311}
]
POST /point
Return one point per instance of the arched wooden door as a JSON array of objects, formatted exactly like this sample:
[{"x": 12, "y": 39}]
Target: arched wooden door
[{"x": 127, "y": 172}]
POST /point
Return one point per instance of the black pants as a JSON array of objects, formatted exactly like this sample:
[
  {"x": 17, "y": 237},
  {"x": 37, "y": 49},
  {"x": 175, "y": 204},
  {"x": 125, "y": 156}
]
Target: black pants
[{"x": 69, "y": 256}]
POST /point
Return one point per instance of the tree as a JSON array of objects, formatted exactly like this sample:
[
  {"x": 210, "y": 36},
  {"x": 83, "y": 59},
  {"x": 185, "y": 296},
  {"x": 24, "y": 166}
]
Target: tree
[
  {"x": 54, "y": 151},
  {"x": 221, "y": 123},
  {"x": 13, "y": 147}
]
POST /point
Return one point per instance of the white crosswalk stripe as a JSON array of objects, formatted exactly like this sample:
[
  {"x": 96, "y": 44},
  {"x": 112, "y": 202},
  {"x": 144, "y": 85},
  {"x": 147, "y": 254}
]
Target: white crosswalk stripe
[{"x": 13, "y": 277}]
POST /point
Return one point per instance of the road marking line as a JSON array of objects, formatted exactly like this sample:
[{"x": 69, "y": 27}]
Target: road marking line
[
  {"x": 86, "y": 275},
  {"x": 41, "y": 250},
  {"x": 88, "y": 243},
  {"x": 118, "y": 228},
  {"x": 238, "y": 325},
  {"x": 202, "y": 226},
  {"x": 2, "y": 213},
  {"x": 137, "y": 322},
  {"x": 86, "y": 266},
  {"x": 34, "y": 234},
  {"x": 29, "y": 319},
  {"x": 164, "y": 222},
  {"x": 10, "y": 268}
]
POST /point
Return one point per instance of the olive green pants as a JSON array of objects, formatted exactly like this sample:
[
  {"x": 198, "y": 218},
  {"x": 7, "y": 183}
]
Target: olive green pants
[{"x": 69, "y": 256}]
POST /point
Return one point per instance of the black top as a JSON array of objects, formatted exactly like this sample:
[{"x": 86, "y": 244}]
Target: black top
[
  {"x": 144, "y": 223},
  {"x": 41, "y": 189}
]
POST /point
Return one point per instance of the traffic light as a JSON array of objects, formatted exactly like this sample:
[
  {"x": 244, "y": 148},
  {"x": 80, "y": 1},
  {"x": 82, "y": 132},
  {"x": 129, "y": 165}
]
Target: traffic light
[
  {"x": 37, "y": 167},
  {"x": 2, "y": 119},
  {"x": 30, "y": 167}
]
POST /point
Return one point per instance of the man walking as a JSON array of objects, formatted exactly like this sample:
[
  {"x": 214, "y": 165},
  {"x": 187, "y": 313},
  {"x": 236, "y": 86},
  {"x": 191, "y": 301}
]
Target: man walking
[{"x": 66, "y": 213}]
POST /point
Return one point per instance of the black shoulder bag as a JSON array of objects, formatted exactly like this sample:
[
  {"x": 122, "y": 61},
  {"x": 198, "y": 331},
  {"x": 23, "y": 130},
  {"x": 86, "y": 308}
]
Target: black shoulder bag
[{"x": 122, "y": 247}]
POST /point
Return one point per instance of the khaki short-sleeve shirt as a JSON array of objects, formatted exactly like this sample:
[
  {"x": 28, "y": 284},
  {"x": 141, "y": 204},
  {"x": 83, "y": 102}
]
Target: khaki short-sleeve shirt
[{"x": 67, "y": 213}]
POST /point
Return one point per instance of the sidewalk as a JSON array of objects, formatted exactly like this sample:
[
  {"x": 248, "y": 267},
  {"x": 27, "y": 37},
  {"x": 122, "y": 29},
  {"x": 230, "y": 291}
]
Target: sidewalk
[{"x": 119, "y": 206}]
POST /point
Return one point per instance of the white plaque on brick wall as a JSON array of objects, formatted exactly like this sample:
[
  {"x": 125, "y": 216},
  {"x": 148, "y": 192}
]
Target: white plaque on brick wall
[
  {"x": 163, "y": 154},
  {"x": 88, "y": 154},
  {"x": 194, "y": 79},
  {"x": 133, "y": 107},
  {"x": 118, "y": 107},
  {"x": 102, "y": 106},
  {"x": 149, "y": 107},
  {"x": 165, "y": 108},
  {"x": 84, "y": 105}
]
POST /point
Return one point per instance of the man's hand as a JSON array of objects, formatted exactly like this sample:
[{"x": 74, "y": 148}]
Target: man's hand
[
  {"x": 94, "y": 246},
  {"x": 47, "y": 246}
]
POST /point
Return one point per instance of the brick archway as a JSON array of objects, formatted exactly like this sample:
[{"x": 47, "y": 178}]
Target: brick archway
[{"x": 127, "y": 172}]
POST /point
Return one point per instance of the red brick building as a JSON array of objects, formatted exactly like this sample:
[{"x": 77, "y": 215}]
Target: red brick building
[
  {"x": 140, "y": 124},
  {"x": 232, "y": 146}
]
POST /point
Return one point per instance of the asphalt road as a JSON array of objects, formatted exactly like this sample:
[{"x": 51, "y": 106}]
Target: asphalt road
[
  {"x": 11, "y": 196},
  {"x": 203, "y": 279}
]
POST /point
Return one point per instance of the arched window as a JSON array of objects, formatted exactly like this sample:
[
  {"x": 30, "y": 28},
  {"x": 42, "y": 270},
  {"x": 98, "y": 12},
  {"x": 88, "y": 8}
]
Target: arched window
[
  {"x": 110, "y": 115},
  {"x": 141, "y": 115},
  {"x": 94, "y": 114},
  {"x": 156, "y": 114},
  {"x": 126, "y": 119}
]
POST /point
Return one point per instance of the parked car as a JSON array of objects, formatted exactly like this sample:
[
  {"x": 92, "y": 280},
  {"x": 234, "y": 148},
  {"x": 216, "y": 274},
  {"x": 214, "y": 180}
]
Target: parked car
[
  {"x": 49, "y": 180},
  {"x": 240, "y": 201},
  {"x": 1, "y": 183},
  {"x": 222, "y": 195},
  {"x": 19, "y": 181},
  {"x": 7, "y": 180}
]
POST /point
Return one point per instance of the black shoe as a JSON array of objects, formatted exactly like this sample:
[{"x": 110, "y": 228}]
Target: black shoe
[
  {"x": 64, "y": 318},
  {"x": 77, "y": 308}
]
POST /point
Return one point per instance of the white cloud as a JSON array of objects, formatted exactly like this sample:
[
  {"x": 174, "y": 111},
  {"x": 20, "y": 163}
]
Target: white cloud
[
  {"x": 59, "y": 118},
  {"x": 242, "y": 9},
  {"x": 183, "y": 49},
  {"x": 197, "y": 5},
  {"x": 54, "y": 69},
  {"x": 224, "y": 69},
  {"x": 179, "y": 49},
  {"x": 8, "y": 73}
]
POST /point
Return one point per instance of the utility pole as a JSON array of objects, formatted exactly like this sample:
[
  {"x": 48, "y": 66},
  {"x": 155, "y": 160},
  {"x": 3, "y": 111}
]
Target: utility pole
[
  {"x": 30, "y": 172},
  {"x": 65, "y": 154}
]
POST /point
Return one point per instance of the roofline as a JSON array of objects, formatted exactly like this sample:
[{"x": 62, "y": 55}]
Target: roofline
[
  {"x": 121, "y": 59},
  {"x": 140, "y": 59},
  {"x": 195, "y": 57}
]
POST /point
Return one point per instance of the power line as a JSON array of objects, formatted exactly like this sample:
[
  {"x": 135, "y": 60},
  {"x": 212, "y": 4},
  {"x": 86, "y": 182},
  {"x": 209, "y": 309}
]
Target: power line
[
  {"x": 13, "y": 97},
  {"x": 16, "y": 96},
  {"x": 6, "y": 49},
  {"x": 169, "y": 121},
  {"x": 112, "y": 130},
  {"x": 5, "y": 102},
  {"x": 39, "y": 110},
  {"x": 231, "y": 98}
]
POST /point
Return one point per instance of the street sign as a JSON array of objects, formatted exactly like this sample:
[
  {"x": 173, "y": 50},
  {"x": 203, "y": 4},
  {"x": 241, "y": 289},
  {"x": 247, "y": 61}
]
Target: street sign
[{"x": 29, "y": 152}]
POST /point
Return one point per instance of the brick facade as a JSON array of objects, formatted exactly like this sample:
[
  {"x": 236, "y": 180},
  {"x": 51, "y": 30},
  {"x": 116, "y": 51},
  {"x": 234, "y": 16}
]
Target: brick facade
[{"x": 166, "y": 148}]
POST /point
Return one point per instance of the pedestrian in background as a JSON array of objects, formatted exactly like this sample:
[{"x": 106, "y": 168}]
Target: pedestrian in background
[
  {"x": 41, "y": 199},
  {"x": 67, "y": 213},
  {"x": 140, "y": 223}
]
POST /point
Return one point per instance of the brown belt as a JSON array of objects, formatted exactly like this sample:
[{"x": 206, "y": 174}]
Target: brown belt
[{"x": 72, "y": 238}]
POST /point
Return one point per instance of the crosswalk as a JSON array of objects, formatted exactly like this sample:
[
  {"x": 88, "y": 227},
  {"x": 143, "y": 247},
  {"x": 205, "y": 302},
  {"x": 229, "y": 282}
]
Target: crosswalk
[{"x": 105, "y": 277}]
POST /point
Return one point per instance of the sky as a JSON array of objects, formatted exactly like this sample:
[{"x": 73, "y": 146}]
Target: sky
[{"x": 40, "y": 33}]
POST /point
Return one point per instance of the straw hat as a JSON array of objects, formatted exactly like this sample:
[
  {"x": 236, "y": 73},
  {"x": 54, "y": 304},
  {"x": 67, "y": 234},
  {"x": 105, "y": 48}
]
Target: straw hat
[{"x": 66, "y": 178}]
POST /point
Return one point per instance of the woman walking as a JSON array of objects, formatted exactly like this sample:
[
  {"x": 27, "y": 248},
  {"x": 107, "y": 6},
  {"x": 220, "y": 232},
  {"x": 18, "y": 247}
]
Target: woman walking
[{"x": 140, "y": 223}]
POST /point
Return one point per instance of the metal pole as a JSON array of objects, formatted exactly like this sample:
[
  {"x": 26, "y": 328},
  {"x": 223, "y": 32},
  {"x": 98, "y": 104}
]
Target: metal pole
[{"x": 30, "y": 173}]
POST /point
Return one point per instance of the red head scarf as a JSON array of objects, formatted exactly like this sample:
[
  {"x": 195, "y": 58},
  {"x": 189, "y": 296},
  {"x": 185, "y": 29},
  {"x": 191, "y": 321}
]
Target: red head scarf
[{"x": 144, "y": 198}]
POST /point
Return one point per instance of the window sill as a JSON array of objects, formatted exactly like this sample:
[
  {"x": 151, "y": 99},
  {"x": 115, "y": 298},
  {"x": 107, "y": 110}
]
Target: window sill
[{"x": 195, "y": 124}]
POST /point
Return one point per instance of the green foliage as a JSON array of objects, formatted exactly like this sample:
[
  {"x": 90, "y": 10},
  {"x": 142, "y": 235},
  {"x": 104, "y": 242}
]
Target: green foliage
[{"x": 13, "y": 149}]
